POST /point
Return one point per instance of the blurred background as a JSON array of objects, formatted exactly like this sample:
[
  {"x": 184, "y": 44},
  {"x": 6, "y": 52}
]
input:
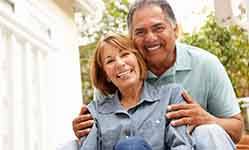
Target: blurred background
[{"x": 46, "y": 47}]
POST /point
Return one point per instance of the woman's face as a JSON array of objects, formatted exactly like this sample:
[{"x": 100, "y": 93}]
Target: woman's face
[{"x": 120, "y": 66}]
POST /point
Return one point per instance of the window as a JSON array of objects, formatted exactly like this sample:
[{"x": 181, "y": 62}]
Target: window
[
  {"x": 7, "y": 5},
  {"x": 28, "y": 13}
]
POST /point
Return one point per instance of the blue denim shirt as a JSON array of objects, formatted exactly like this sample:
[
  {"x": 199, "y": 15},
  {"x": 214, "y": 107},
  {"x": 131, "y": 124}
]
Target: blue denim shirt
[{"x": 146, "y": 119}]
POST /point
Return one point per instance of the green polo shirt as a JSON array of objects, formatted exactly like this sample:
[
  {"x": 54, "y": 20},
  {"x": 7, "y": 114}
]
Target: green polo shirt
[{"x": 204, "y": 77}]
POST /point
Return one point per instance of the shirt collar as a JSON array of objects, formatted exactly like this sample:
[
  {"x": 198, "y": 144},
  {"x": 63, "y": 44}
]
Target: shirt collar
[
  {"x": 183, "y": 62},
  {"x": 111, "y": 103},
  {"x": 149, "y": 93}
]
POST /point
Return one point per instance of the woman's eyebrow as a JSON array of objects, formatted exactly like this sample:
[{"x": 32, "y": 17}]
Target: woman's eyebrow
[{"x": 107, "y": 57}]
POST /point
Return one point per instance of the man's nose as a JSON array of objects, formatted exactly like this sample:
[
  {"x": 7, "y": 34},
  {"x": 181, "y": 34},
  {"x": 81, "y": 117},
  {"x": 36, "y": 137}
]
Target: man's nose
[{"x": 150, "y": 37}]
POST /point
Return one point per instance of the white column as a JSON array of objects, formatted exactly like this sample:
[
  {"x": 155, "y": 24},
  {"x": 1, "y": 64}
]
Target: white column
[
  {"x": 24, "y": 101},
  {"x": 31, "y": 102},
  {"x": 4, "y": 95},
  {"x": 8, "y": 98},
  {"x": 43, "y": 101},
  {"x": 37, "y": 102},
  {"x": 16, "y": 67}
]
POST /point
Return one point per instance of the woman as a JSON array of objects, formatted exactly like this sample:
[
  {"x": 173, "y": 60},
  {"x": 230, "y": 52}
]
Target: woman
[{"x": 132, "y": 108}]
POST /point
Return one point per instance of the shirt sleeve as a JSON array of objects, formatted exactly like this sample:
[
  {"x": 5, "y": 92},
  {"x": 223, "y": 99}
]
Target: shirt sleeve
[
  {"x": 89, "y": 142},
  {"x": 221, "y": 98},
  {"x": 177, "y": 138}
]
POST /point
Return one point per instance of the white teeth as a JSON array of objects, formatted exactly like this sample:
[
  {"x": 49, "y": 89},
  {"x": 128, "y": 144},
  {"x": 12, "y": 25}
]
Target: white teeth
[
  {"x": 123, "y": 75},
  {"x": 153, "y": 48}
]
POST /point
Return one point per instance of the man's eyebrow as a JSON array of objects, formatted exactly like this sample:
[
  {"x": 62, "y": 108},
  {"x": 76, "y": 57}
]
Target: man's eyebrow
[
  {"x": 139, "y": 29},
  {"x": 154, "y": 25},
  {"x": 157, "y": 24}
]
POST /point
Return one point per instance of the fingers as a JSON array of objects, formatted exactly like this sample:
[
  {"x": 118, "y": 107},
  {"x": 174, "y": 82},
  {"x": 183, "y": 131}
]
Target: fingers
[
  {"x": 174, "y": 107},
  {"x": 83, "y": 123},
  {"x": 179, "y": 114},
  {"x": 82, "y": 133},
  {"x": 83, "y": 109},
  {"x": 189, "y": 118},
  {"x": 193, "y": 120},
  {"x": 82, "y": 127},
  {"x": 82, "y": 118},
  {"x": 182, "y": 121},
  {"x": 187, "y": 97},
  {"x": 177, "y": 111}
]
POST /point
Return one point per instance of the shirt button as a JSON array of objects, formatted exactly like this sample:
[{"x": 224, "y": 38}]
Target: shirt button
[{"x": 157, "y": 121}]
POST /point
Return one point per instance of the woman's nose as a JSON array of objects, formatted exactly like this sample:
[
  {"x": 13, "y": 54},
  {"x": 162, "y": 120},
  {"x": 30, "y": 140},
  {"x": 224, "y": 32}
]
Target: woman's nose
[{"x": 120, "y": 62}]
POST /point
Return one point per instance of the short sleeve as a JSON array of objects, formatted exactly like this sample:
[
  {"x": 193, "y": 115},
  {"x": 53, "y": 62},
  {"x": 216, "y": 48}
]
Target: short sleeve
[{"x": 221, "y": 98}]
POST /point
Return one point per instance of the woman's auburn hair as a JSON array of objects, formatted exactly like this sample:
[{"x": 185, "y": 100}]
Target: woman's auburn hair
[{"x": 98, "y": 76}]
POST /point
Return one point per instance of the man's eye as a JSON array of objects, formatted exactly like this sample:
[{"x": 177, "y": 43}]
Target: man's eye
[
  {"x": 159, "y": 29},
  {"x": 139, "y": 33}
]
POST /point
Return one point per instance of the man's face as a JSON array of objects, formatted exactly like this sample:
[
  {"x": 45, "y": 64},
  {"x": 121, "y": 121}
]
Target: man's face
[{"x": 153, "y": 35}]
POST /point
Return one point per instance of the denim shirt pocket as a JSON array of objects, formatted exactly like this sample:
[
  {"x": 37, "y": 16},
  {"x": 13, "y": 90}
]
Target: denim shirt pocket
[
  {"x": 153, "y": 130},
  {"x": 110, "y": 138}
]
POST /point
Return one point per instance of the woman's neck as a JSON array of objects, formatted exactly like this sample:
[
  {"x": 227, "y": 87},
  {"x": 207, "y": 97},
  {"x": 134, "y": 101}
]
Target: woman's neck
[{"x": 130, "y": 96}]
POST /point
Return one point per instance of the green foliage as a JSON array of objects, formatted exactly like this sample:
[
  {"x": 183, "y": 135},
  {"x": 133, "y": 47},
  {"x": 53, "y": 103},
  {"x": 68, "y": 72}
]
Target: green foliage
[
  {"x": 113, "y": 19},
  {"x": 231, "y": 45},
  {"x": 85, "y": 58}
]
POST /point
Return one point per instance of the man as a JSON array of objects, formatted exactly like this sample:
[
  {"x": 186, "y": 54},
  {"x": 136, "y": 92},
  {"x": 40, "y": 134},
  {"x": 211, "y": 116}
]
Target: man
[{"x": 153, "y": 29}]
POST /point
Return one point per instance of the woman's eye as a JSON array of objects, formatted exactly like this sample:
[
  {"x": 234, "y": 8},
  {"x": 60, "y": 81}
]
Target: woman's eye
[
  {"x": 109, "y": 61},
  {"x": 125, "y": 54}
]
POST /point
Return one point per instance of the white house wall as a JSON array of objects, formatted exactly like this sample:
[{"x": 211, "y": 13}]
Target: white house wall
[
  {"x": 65, "y": 66},
  {"x": 23, "y": 71},
  {"x": 40, "y": 87}
]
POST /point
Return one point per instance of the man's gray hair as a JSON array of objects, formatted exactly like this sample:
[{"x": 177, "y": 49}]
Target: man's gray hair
[{"x": 163, "y": 4}]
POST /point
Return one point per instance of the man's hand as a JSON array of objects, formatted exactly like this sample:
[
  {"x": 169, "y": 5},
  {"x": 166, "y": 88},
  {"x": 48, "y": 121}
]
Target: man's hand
[
  {"x": 83, "y": 123},
  {"x": 193, "y": 114},
  {"x": 189, "y": 113}
]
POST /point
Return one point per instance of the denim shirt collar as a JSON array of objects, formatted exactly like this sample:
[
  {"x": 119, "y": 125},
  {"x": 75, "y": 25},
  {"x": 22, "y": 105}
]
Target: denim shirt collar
[{"x": 112, "y": 103}]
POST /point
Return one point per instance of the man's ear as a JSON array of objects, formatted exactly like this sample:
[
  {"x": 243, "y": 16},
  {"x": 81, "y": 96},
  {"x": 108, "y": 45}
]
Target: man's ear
[{"x": 177, "y": 31}]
